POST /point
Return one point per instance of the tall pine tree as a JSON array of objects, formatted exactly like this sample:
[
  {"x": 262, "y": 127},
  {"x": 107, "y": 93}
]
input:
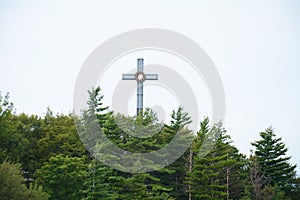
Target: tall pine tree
[
  {"x": 218, "y": 170},
  {"x": 174, "y": 175},
  {"x": 270, "y": 152}
]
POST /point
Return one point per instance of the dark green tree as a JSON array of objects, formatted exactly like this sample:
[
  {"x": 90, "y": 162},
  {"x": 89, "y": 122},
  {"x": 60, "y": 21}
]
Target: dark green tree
[
  {"x": 218, "y": 170},
  {"x": 12, "y": 187},
  {"x": 270, "y": 153},
  {"x": 102, "y": 182},
  {"x": 62, "y": 177},
  {"x": 96, "y": 107},
  {"x": 142, "y": 185},
  {"x": 206, "y": 171},
  {"x": 174, "y": 175},
  {"x": 29, "y": 128},
  {"x": 236, "y": 175},
  {"x": 8, "y": 136},
  {"x": 59, "y": 137},
  {"x": 295, "y": 193},
  {"x": 92, "y": 120}
]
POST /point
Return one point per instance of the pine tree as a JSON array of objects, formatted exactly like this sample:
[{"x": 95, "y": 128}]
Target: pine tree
[
  {"x": 90, "y": 123},
  {"x": 204, "y": 177},
  {"x": 236, "y": 174},
  {"x": 144, "y": 186},
  {"x": 274, "y": 164},
  {"x": 174, "y": 175},
  {"x": 217, "y": 169},
  {"x": 295, "y": 193},
  {"x": 105, "y": 182},
  {"x": 102, "y": 182},
  {"x": 95, "y": 105}
]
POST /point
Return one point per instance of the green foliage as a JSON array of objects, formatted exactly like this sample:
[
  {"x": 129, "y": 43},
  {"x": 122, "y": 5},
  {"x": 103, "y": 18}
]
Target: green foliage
[
  {"x": 63, "y": 177},
  {"x": 12, "y": 187},
  {"x": 218, "y": 170},
  {"x": 273, "y": 162},
  {"x": 205, "y": 177},
  {"x": 8, "y": 137},
  {"x": 49, "y": 149},
  {"x": 180, "y": 119},
  {"x": 59, "y": 137},
  {"x": 29, "y": 129},
  {"x": 91, "y": 122},
  {"x": 102, "y": 182},
  {"x": 144, "y": 186},
  {"x": 173, "y": 176},
  {"x": 95, "y": 105},
  {"x": 295, "y": 192}
]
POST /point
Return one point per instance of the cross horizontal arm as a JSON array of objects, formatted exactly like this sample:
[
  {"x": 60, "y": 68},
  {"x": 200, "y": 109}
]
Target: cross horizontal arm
[
  {"x": 128, "y": 76},
  {"x": 151, "y": 76}
]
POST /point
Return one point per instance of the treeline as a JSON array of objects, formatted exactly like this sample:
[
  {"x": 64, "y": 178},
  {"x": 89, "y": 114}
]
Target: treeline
[{"x": 44, "y": 158}]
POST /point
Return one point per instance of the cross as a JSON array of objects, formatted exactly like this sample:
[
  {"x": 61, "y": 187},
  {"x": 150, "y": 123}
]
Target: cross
[{"x": 140, "y": 77}]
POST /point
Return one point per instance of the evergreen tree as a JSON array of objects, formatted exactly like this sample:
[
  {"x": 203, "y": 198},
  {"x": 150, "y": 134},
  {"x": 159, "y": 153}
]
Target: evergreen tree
[
  {"x": 143, "y": 185},
  {"x": 95, "y": 105},
  {"x": 236, "y": 175},
  {"x": 205, "y": 175},
  {"x": 50, "y": 148},
  {"x": 218, "y": 170},
  {"x": 174, "y": 175},
  {"x": 273, "y": 162},
  {"x": 295, "y": 193},
  {"x": 102, "y": 182},
  {"x": 91, "y": 122}
]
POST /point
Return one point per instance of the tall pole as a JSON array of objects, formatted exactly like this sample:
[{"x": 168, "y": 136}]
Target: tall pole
[{"x": 140, "y": 69}]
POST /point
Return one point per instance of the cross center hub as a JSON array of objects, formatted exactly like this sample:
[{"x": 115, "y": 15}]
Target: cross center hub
[{"x": 140, "y": 77}]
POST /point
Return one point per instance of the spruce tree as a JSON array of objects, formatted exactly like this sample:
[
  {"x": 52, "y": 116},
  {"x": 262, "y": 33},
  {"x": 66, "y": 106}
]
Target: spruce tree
[
  {"x": 270, "y": 152},
  {"x": 102, "y": 182},
  {"x": 95, "y": 105},
  {"x": 143, "y": 185},
  {"x": 204, "y": 178},
  {"x": 218, "y": 170},
  {"x": 90, "y": 123},
  {"x": 174, "y": 175}
]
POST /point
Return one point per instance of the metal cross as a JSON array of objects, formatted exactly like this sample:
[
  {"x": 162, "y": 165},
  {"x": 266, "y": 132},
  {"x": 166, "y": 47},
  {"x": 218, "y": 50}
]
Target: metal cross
[{"x": 140, "y": 77}]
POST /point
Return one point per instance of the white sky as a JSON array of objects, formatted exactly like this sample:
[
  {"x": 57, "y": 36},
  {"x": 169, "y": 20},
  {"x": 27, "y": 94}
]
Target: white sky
[{"x": 254, "y": 44}]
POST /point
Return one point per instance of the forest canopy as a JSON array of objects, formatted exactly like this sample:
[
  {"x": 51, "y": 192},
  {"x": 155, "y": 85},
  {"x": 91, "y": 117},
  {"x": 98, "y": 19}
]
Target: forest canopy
[{"x": 43, "y": 157}]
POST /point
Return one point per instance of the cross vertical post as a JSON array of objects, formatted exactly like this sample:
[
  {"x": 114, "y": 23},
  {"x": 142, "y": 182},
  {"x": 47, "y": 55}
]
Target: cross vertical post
[
  {"x": 140, "y": 87},
  {"x": 140, "y": 77}
]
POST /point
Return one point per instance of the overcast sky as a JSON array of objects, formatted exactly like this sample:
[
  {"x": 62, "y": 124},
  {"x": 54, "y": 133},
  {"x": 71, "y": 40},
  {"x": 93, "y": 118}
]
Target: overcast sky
[{"x": 255, "y": 46}]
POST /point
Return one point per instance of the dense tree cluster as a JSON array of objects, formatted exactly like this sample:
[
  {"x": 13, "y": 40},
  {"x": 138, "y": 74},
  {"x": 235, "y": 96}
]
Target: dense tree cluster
[{"x": 44, "y": 158}]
